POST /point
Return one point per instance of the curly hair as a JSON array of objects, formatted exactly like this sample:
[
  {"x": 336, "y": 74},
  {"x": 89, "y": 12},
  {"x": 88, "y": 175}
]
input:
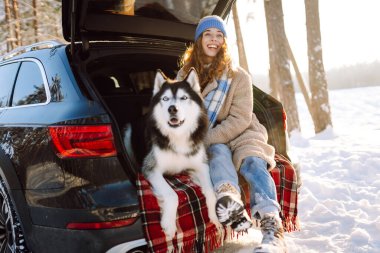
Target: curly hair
[{"x": 195, "y": 57}]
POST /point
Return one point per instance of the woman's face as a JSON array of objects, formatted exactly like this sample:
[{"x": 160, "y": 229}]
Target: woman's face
[{"x": 212, "y": 42}]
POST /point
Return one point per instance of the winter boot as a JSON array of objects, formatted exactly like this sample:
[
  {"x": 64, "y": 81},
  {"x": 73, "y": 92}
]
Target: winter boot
[
  {"x": 273, "y": 235},
  {"x": 230, "y": 208},
  {"x": 243, "y": 223}
]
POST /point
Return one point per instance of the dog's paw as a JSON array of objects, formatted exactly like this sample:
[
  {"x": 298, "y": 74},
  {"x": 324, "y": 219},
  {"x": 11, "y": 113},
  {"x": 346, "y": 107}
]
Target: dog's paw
[
  {"x": 169, "y": 214},
  {"x": 213, "y": 217},
  {"x": 169, "y": 226},
  {"x": 211, "y": 203}
]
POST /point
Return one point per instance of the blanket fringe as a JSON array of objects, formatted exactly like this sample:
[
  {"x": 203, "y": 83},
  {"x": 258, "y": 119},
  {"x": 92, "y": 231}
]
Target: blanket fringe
[
  {"x": 290, "y": 223},
  {"x": 214, "y": 239}
]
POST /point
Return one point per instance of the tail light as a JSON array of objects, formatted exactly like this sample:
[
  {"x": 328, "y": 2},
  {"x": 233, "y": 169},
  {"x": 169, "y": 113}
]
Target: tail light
[
  {"x": 83, "y": 141},
  {"x": 101, "y": 225},
  {"x": 284, "y": 118}
]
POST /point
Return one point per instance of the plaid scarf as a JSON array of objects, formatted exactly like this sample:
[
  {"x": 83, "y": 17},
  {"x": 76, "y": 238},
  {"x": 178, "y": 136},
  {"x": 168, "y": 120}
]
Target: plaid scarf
[
  {"x": 285, "y": 178},
  {"x": 195, "y": 232},
  {"x": 215, "y": 98}
]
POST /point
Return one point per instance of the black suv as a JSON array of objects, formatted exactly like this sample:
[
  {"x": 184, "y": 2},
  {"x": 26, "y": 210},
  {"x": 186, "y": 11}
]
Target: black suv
[{"x": 67, "y": 179}]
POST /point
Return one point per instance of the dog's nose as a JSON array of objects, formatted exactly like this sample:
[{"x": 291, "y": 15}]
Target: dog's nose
[{"x": 172, "y": 109}]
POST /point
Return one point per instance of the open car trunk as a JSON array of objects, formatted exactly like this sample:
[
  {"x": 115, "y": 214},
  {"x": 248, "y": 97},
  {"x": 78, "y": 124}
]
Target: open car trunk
[{"x": 123, "y": 76}]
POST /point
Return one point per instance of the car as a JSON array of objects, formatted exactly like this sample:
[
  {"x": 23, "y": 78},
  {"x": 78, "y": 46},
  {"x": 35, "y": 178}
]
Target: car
[{"x": 67, "y": 179}]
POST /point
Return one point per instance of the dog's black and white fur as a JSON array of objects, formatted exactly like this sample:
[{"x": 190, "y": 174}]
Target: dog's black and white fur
[{"x": 176, "y": 126}]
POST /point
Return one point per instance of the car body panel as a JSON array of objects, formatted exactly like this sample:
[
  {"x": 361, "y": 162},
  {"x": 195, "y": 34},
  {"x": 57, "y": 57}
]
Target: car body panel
[
  {"x": 57, "y": 191},
  {"x": 63, "y": 240}
]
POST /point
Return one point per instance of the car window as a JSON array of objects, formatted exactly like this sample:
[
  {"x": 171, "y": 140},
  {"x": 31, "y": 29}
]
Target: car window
[
  {"x": 8, "y": 74},
  {"x": 29, "y": 88}
]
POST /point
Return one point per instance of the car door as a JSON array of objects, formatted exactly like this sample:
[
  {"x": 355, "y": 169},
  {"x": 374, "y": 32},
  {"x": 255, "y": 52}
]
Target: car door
[
  {"x": 24, "y": 132},
  {"x": 8, "y": 72}
]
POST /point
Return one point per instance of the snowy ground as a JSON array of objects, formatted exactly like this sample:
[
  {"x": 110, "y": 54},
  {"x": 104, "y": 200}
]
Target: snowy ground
[{"x": 339, "y": 203}]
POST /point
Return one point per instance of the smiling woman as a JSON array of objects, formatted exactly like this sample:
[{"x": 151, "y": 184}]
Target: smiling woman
[
  {"x": 212, "y": 42},
  {"x": 209, "y": 53},
  {"x": 236, "y": 141}
]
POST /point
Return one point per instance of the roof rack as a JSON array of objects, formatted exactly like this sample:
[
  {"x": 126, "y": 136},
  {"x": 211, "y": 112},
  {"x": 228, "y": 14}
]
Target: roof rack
[{"x": 32, "y": 47}]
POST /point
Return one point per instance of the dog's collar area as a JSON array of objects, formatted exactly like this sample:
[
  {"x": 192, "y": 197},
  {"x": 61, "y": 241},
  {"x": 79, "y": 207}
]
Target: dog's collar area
[{"x": 193, "y": 152}]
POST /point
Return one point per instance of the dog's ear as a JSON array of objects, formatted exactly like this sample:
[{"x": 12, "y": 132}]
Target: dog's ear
[
  {"x": 193, "y": 80},
  {"x": 159, "y": 81}
]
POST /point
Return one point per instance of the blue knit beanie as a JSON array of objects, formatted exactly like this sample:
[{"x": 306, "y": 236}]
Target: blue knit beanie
[{"x": 210, "y": 22}]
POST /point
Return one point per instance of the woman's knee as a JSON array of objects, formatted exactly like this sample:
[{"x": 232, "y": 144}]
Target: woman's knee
[
  {"x": 220, "y": 158},
  {"x": 254, "y": 165},
  {"x": 219, "y": 149}
]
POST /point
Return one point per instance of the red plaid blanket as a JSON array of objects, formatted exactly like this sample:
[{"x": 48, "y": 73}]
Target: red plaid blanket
[
  {"x": 285, "y": 178},
  {"x": 195, "y": 232}
]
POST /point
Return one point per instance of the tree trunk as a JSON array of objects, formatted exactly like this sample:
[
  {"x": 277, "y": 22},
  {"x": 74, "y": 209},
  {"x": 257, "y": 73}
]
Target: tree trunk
[
  {"x": 274, "y": 82},
  {"x": 35, "y": 20},
  {"x": 279, "y": 60},
  {"x": 239, "y": 38},
  {"x": 317, "y": 77},
  {"x": 301, "y": 83},
  {"x": 16, "y": 15},
  {"x": 8, "y": 18}
]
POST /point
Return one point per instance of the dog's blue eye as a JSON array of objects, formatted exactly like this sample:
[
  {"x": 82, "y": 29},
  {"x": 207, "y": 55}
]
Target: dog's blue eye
[
  {"x": 165, "y": 98},
  {"x": 184, "y": 97}
]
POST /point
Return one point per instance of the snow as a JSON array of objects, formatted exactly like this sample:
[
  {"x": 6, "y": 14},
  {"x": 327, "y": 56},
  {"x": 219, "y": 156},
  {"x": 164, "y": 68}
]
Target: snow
[{"x": 339, "y": 202}]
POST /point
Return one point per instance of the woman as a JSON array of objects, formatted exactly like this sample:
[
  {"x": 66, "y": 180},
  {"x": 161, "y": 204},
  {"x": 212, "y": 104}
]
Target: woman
[{"x": 236, "y": 141}]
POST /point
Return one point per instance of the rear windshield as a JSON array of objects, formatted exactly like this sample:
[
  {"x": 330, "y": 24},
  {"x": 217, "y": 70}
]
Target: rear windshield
[{"x": 184, "y": 11}]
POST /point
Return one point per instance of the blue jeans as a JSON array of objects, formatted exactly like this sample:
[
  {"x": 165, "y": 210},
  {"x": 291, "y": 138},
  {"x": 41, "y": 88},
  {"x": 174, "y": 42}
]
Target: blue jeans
[{"x": 254, "y": 169}]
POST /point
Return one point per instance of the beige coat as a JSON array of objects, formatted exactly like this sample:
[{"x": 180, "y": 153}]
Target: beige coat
[{"x": 237, "y": 125}]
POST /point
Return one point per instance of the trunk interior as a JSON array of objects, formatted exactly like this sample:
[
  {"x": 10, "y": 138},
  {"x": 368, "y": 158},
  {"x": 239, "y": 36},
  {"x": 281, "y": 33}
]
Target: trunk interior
[
  {"x": 124, "y": 79},
  {"x": 125, "y": 84}
]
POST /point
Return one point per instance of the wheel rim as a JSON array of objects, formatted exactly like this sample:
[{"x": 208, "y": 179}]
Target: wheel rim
[{"x": 6, "y": 225}]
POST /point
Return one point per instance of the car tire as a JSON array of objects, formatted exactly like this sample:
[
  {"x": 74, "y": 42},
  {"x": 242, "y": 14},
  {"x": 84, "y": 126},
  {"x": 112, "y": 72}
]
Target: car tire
[{"x": 11, "y": 233}]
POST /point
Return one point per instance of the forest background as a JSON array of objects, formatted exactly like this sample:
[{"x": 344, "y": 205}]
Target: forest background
[
  {"x": 349, "y": 27},
  {"x": 351, "y": 55}
]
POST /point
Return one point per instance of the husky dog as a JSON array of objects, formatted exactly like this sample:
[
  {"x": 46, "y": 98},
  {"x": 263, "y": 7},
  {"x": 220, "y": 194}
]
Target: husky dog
[{"x": 176, "y": 126}]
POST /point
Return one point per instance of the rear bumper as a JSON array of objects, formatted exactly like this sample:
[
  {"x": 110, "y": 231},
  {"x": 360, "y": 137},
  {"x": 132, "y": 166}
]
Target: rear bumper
[
  {"x": 47, "y": 239},
  {"x": 45, "y": 227}
]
